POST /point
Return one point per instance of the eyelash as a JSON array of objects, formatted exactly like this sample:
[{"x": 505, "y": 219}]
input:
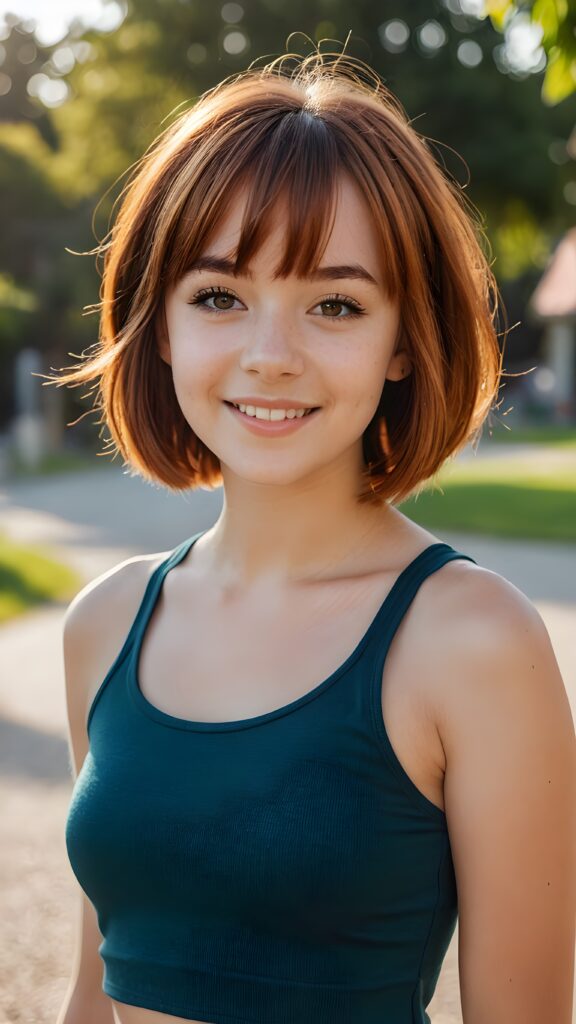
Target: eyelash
[{"x": 344, "y": 300}]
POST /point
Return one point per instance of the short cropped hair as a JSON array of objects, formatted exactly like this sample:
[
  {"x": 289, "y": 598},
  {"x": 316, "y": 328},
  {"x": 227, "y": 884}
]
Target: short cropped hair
[{"x": 288, "y": 131}]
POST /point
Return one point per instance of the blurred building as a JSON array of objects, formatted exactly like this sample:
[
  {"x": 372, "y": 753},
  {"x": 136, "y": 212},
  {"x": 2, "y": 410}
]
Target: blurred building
[{"x": 553, "y": 303}]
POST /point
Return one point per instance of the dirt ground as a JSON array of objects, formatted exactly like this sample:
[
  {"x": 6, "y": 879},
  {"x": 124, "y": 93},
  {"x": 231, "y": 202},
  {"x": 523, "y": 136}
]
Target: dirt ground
[{"x": 94, "y": 522}]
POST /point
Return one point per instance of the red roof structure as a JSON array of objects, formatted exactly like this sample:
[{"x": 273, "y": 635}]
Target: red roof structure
[{"x": 555, "y": 295}]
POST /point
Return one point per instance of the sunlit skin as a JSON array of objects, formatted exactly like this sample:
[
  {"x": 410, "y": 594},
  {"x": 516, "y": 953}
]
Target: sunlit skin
[{"x": 289, "y": 501}]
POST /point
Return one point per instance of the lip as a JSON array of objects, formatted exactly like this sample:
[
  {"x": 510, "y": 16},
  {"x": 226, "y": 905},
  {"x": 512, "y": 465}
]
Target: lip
[
  {"x": 272, "y": 427},
  {"x": 273, "y": 403}
]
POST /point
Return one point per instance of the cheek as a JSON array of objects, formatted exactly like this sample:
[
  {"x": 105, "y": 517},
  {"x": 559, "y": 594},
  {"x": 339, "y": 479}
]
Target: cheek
[
  {"x": 193, "y": 388},
  {"x": 364, "y": 378},
  {"x": 196, "y": 367}
]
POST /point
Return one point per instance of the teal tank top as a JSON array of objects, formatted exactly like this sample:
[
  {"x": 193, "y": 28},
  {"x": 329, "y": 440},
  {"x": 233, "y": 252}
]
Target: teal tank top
[{"x": 282, "y": 869}]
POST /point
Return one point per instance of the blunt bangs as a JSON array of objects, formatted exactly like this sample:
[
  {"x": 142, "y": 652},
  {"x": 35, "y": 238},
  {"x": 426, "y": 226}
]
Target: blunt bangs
[{"x": 290, "y": 171}]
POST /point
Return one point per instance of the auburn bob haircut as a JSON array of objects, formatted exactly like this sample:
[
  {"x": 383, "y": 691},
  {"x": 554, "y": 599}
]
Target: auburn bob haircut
[{"x": 288, "y": 131}]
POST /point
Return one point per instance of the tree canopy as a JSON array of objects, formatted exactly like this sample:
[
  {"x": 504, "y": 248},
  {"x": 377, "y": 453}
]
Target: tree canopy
[{"x": 556, "y": 20}]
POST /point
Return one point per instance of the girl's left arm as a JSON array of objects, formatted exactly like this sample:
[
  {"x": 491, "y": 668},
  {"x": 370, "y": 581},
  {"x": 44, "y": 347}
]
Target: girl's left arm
[{"x": 510, "y": 799}]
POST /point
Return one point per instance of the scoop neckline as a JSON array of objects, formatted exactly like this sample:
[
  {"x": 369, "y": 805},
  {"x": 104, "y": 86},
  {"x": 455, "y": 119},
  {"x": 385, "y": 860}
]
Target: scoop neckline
[{"x": 174, "y": 722}]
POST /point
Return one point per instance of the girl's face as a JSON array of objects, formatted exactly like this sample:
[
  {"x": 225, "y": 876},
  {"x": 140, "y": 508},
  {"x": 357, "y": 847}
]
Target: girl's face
[{"x": 324, "y": 343}]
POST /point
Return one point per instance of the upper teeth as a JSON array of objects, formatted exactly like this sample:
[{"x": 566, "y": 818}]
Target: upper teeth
[{"x": 270, "y": 414}]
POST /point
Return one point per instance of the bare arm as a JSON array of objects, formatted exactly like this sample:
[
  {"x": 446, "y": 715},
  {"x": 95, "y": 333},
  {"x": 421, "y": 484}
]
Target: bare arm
[
  {"x": 85, "y": 1002},
  {"x": 510, "y": 793},
  {"x": 95, "y": 626}
]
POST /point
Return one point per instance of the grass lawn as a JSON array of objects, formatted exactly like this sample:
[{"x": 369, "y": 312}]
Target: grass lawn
[
  {"x": 62, "y": 462},
  {"x": 561, "y": 437},
  {"x": 502, "y": 498},
  {"x": 28, "y": 577}
]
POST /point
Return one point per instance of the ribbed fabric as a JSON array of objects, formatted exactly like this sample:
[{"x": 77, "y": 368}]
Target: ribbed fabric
[{"x": 281, "y": 869}]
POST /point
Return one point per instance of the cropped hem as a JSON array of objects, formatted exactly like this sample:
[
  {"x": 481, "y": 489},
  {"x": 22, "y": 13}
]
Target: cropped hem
[
  {"x": 123, "y": 995},
  {"x": 214, "y": 1000}
]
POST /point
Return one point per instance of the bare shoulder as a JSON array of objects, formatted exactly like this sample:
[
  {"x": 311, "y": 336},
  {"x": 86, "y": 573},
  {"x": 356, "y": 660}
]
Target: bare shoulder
[
  {"x": 96, "y": 624},
  {"x": 475, "y": 650},
  {"x": 115, "y": 594},
  {"x": 482, "y": 631},
  {"x": 482, "y": 642}
]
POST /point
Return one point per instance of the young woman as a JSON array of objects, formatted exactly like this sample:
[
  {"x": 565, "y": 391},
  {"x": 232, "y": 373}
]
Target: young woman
[{"x": 310, "y": 736}]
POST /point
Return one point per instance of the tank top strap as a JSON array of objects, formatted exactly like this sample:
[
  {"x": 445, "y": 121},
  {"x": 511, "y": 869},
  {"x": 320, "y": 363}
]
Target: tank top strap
[
  {"x": 399, "y": 599},
  {"x": 150, "y": 595},
  {"x": 404, "y": 590},
  {"x": 379, "y": 640}
]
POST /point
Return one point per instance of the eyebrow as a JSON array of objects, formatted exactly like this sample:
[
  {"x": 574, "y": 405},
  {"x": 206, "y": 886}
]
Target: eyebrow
[{"x": 220, "y": 265}]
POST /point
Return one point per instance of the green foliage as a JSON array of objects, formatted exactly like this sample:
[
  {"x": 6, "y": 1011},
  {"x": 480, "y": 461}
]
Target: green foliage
[
  {"x": 499, "y": 11},
  {"x": 560, "y": 80},
  {"x": 551, "y": 15},
  {"x": 518, "y": 239},
  {"x": 557, "y": 19},
  {"x": 14, "y": 298}
]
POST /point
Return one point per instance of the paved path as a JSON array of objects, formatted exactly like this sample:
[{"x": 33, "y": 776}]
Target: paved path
[{"x": 93, "y": 520}]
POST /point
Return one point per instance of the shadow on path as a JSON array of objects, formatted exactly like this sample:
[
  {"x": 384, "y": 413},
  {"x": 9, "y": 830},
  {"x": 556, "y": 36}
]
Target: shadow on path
[{"x": 29, "y": 753}]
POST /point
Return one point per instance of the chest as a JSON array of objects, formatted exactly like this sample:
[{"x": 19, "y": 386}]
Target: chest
[{"x": 242, "y": 657}]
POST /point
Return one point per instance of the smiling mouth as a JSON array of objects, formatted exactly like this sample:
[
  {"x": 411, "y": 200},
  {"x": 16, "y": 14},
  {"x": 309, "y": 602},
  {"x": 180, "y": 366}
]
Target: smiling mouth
[{"x": 272, "y": 415}]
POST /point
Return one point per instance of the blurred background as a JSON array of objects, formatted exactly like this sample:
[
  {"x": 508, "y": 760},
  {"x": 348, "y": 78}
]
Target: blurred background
[{"x": 85, "y": 86}]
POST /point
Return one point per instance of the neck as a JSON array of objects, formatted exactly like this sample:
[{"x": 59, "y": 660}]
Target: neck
[{"x": 293, "y": 533}]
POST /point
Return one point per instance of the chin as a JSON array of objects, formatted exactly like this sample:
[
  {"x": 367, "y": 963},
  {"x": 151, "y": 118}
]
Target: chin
[{"x": 266, "y": 476}]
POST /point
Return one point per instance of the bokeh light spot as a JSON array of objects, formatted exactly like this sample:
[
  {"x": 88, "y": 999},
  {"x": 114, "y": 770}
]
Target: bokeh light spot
[
  {"x": 196, "y": 53},
  {"x": 232, "y": 13},
  {"x": 431, "y": 35},
  {"x": 112, "y": 16},
  {"x": 558, "y": 152},
  {"x": 544, "y": 379},
  {"x": 52, "y": 31},
  {"x": 394, "y": 35},
  {"x": 469, "y": 53},
  {"x": 235, "y": 42},
  {"x": 63, "y": 59}
]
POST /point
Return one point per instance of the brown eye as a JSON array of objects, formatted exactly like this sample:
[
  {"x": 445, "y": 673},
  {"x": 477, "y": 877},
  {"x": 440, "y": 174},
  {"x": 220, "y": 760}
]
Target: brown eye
[
  {"x": 330, "y": 304},
  {"x": 336, "y": 305},
  {"x": 224, "y": 297}
]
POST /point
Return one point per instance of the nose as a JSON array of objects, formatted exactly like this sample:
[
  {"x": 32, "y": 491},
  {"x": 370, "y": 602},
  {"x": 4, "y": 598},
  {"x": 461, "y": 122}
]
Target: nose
[{"x": 272, "y": 350}]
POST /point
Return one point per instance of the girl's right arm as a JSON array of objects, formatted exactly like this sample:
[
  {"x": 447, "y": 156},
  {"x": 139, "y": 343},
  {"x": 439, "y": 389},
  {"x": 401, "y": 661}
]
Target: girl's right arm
[
  {"x": 95, "y": 627},
  {"x": 85, "y": 1002}
]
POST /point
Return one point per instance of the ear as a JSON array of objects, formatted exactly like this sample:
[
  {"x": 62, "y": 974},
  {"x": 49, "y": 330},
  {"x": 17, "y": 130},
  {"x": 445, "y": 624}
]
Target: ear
[
  {"x": 399, "y": 367},
  {"x": 162, "y": 336}
]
